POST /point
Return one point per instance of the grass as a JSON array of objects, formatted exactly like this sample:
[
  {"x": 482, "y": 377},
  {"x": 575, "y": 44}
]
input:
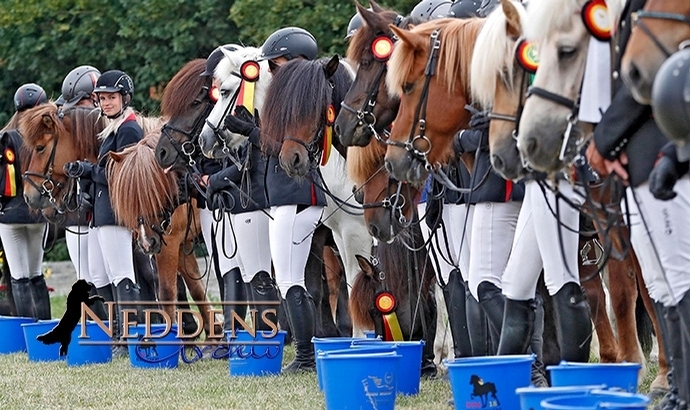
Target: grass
[{"x": 204, "y": 384}]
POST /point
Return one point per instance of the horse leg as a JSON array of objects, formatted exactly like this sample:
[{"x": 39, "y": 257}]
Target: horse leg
[
  {"x": 189, "y": 325},
  {"x": 594, "y": 289},
  {"x": 189, "y": 269},
  {"x": 316, "y": 286},
  {"x": 166, "y": 261},
  {"x": 333, "y": 274}
]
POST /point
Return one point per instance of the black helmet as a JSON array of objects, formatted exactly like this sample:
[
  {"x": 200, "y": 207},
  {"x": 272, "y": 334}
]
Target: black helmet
[
  {"x": 215, "y": 57},
  {"x": 669, "y": 102},
  {"x": 431, "y": 9},
  {"x": 114, "y": 81},
  {"x": 290, "y": 42},
  {"x": 28, "y": 96},
  {"x": 462, "y": 9},
  {"x": 355, "y": 23},
  {"x": 79, "y": 84},
  {"x": 487, "y": 7}
]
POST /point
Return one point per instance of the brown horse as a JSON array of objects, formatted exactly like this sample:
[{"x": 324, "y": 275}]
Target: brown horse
[
  {"x": 500, "y": 83},
  {"x": 427, "y": 74},
  {"x": 144, "y": 200},
  {"x": 660, "y": 29}
]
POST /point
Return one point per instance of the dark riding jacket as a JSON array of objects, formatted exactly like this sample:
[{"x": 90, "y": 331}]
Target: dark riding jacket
[
  {"x": 628, "y": 125},
  {"x": 127, "y": 134},
  {"x": 14, "y": 209}
]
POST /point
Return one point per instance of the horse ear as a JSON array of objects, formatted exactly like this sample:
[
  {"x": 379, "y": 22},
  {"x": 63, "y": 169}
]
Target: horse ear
[
  {"x": 116, "y": 156},
  {"x": 48, "y": 121},
  {"x": 371, "y": 19},
  {"x": 513, "y": 26},
  {"x": 365, "y": 265},
  {"x": 414, "y": 40},
  {"x": 332, "y": 66},
  {"x": 375, "y": 7}
]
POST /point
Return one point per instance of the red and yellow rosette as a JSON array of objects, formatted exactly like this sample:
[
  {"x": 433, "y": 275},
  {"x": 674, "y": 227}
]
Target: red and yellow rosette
[
  {"x": 10, "y": 188},
  {"x": 595, "y": 16},
  {"x": 527, "y": 56},
  {"x": 328, "y": 134},
  {"x": 249, "y": 70},
  {"x": 386, "y": 304},
  {"x": 382, "y": 48}
]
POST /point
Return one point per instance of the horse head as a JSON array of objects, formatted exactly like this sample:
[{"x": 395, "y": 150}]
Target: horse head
[
  {"x": 429, "y": 71},
  {"x": 550, "y": 133},
  {"x": 368, "y": 109},
  {"x": 215, "y": 140},
  {"x": 388, "y": 203},
  {"x": 662, "y": 27},
  {"x": 53, "y": 139},
  {"x": 499, "y": 81},
  {"x": 302, "y": 103},
  {"x": 187, "y": 100}
]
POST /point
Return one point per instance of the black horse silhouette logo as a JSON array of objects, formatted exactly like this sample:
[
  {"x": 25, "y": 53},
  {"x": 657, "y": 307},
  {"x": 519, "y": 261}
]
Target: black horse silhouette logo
[{"x": 482, "y": 390}]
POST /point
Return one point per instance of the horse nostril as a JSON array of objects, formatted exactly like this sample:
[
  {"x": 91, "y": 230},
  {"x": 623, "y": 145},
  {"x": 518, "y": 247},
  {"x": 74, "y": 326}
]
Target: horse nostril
[
  {"x": 336, "y": 128},
  {"x": 634, "y": 74},
  {"x": 162, "y": 155},
  {"x": 373, "y": 230},
  {"x": 497, "y": 162},
  {"x": 531, "y": 146},
  {"x": 296, "y": 160},
  {"x": 389, "y": 167}
]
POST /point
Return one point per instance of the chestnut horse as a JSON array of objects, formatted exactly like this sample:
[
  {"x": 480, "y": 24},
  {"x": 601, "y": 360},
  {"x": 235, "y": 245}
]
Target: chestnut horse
[
  {"x": 499, "y": 82},
  {"x": 661, "y": 28}
]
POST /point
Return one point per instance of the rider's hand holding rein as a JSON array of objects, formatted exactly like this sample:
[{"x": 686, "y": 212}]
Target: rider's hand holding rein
[
  {"x": 77, "y": 169},
  {"x": 244, "y": 123}
]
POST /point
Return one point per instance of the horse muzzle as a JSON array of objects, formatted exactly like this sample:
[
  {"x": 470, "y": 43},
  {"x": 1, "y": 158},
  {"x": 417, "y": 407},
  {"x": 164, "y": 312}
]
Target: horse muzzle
[{"x": 404, "y": 167}]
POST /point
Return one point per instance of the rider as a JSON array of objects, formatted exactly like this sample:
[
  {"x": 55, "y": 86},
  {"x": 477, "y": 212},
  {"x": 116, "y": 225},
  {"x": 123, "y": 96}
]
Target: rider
[
  {"x": 114, "y": 89},
  {"x": 21, "y": 231},
  {"x": 627, "y": 142},
  {"x": 431, "y": 9},
  {"x": 296, "y": 207}
]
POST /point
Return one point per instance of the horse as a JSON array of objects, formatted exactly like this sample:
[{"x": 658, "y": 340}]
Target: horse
[
  {"x": 662, "y": 28},
  {"x": 408, "y": 276},
  {"x": 499, "y": 82},
  {"x": 429, "y": 66},
  {"x": 367, "y": 108}
]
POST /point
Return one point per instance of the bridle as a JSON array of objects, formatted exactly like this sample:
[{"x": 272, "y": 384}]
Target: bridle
[
  {"x": 420, "y": 111},
  {"x": 365, "y": 115},
  {"x": 637, "y": 19},
  {"x": 218, "y": 128},
  {"x": 394, "y": 202}
]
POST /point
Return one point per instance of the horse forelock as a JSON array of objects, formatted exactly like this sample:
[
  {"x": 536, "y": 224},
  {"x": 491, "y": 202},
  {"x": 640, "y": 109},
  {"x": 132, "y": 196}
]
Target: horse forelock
[
  {"x": 493, "y": 57},
  {"x": 183, "y": 88},
  {"x": 363, "y": 162},
  {"x": 31, "y": 125},
  {"x": 360, "y": 43},
  {"x": 545, "y": 17},
  {"x": 138, "y": 186}
]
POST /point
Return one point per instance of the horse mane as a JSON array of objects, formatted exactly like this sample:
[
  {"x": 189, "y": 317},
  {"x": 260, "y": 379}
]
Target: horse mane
[
  {"x": 85, "y": 124},
  {"x": 454, "y": 55},
  {"x": 363, "y": 162},
  {"x": 364, "y": 290},
  {"x": 547, "y": 16},
  {"x": 486, "y": 66},
  {"x": 138, "y": 186},
  {"x": 181, "y": 90},
  {"x": 298, "y": 96}
]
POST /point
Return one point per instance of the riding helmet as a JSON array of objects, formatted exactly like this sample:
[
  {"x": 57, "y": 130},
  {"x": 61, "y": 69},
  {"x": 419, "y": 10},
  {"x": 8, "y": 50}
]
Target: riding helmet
[
  {"x": 290, "y": 42},
  {"x": 487, "y": 7},
  {"x": 114, "y": 81},
  {"x": 28, "y": 96},
  {"x": 79, "y": 84},
  {"x": 431, "y": 9},
  {"x": 355, "y": 23},
  {"x": 462, "y": 9},
  {"x": 215, "y": 57},
  {"x": 671, "y": 97}
]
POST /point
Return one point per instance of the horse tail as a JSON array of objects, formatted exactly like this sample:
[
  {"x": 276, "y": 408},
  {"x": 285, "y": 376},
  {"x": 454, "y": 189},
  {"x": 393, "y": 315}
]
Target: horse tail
[{"x": 362, "y": 297}]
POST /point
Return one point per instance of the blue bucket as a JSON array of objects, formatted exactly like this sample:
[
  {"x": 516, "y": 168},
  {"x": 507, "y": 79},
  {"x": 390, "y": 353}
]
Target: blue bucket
[
  {"x": 598, "y": 399},
  {"x": 12, "y": 340},
  {"x": 327, "y": 344},
  {"x": 255, "y": 356},
  {"x": 620, "y": 375},
  {"x": 353, "y": 349},
  {"x": 94, "y": 349},
  {"x": 488, "y": 382},
  {"x": 370, "y": 334},
  {"x": 38, "y": 351},
  {"x": 360, "y": 381},
  {"x": 161, "y": 351},
  {"x": 411, "y": 361},
  {"x": 531, "y": 397}
]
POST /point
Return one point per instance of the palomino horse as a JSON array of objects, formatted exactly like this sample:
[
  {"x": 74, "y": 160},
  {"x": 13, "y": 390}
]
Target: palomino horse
[
  {"x": 429, "y": 67},
  {"x": 662, "y": 27},
  {"x": 367, "y": 109},
  {"x": 507, "y": 97}
]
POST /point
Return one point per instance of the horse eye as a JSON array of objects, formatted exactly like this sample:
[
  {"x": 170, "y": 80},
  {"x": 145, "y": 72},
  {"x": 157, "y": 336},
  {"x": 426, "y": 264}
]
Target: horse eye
[
  {"x": 40, "y": 148},
  {"x": 566, "y": 52},
  {"x": 407, "y": 88}
]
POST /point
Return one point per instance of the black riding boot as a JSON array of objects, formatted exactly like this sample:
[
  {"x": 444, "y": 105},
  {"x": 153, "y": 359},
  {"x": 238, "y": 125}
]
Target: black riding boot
[
  {"x": 476, "y": 325},
  {"x": 127, "y": 294},
  {"x": 300, "y": 312},
  {"x": 682, "y": 366},
  {"x": 263, "y": 289},
  {"x": 454, "y": 296},
  {"x": 574, "y": 326},
  {"x": 235, "y": 291},
  {"x": 536, "y": 345},
  {"x": 429, "y": 369},
  {"x": 98, "y": 307},
  {"x": 23, "y": 301},
  {"x": 41, "y": 298},
  {"x": 493, "y": 302},
  {"x": 518, "y": 327},
  {"x": 668, "y": 320}
]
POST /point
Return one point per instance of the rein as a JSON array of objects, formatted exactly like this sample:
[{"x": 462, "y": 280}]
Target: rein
[{"x": 637, "y": 19}]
